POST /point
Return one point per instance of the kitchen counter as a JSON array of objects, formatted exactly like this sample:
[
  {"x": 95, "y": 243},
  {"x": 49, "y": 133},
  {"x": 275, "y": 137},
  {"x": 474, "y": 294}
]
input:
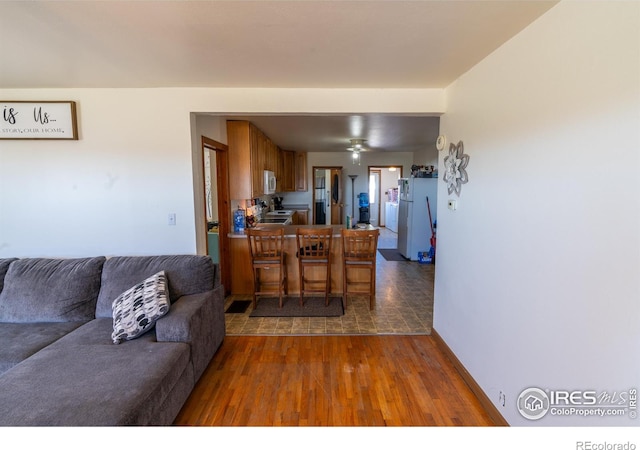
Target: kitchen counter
[
  {"x": 242, "y": 276},
  {"x": 290, "y": 230},
  {"x": 300, "y": 207}
]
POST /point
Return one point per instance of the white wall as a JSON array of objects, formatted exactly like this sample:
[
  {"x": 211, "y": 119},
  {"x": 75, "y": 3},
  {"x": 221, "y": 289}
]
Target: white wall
[
  {"x": 427, "y": 156},
  {"x": 109, "y": 192},
  {"x": 538, "y": 269},
  {"x": 138, "y": 159}
]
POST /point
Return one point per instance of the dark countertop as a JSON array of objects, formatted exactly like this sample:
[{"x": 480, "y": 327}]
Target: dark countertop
[
  {"x": 296, "y": 207},
  {"x": 290, "y": 230}
]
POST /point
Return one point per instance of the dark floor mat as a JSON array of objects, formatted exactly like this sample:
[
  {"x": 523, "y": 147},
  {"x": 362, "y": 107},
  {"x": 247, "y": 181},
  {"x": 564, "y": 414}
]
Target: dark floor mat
[
  {"x": 313, "y": 307},
  {"x": 238, "y": 306},
  {"x": 392, "y": 254}
]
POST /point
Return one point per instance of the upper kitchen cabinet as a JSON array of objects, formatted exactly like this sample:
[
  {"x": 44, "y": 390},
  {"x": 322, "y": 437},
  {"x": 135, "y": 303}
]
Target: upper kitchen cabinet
[
  {"x": 287, "y": 180},
  {"x": 251, "y": 152},
  {"x": 247, "y": 157},
  {"x": 301, "y": 171},
  {"x": 294, "y": 171},
  {"x": 269, "y": 150}
]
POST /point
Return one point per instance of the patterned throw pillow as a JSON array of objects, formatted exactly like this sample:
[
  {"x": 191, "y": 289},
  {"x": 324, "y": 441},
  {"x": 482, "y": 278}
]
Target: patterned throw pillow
[{"x": 136, "y": 310}]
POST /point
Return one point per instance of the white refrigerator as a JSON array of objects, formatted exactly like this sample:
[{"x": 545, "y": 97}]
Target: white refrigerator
[{"x": 414, "y": 231}]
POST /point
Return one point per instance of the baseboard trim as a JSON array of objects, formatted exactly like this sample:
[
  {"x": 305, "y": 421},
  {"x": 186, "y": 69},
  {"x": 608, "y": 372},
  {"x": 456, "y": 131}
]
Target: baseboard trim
[{"x": 488, "y": 406}]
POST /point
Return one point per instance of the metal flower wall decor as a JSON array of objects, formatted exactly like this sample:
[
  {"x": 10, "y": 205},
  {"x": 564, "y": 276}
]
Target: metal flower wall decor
[{"x": 455, "y": 165}]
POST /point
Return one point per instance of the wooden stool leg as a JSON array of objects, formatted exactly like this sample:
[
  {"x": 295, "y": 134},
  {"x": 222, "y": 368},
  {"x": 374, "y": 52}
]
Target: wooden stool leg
[
  {"x": 344, "y": 285},
  {"x": 327, "y": 287},
  {"x": 372, "y": 288},
  {"x": 286, "y": 280},
  {"x": 256, "y": 286},
  {"x": 280, "y": 282},
  {"x": 301, "y": 275}
]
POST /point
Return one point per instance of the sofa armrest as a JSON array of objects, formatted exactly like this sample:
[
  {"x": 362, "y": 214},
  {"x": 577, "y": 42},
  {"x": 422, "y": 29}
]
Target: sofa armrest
[
  {"x": 179, "y": 325},
  {"x": 197, "y": 319}
]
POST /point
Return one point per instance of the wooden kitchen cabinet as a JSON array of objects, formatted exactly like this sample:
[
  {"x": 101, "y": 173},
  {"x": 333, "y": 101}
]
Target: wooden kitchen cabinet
[
  {"x": 294, "y": 171},
  {"x": 271, "y": 156},
  {"x": 245, "y": 164},
  {"x": 256, "y": 167},
  {"x": 251, "y": 152},
  {"x": 301, "y": 171},
  {"x": 280, "y": 169},
  {"x": 288, "y": 171},
  {"x": 301, "y": 217}
]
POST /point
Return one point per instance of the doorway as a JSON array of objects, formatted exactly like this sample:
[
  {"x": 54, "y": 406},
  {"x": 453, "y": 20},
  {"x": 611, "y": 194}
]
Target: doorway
[
  {"x": 327, "y": 196},
  {"x": 383, "y": 198},
  {"x": 217, "y": 206},
  {"x": 374, "y": 196}
]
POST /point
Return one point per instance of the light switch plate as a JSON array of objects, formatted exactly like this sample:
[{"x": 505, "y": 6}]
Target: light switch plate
[{"x": 452, "y": 205}]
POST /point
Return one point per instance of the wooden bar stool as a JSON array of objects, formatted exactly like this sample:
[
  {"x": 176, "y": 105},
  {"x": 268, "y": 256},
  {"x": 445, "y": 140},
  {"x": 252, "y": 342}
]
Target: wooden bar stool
[
  {"x": 314, "y": 250},
  {"x": 359, "y": 252},
  {"x": 267, "y": 253}
]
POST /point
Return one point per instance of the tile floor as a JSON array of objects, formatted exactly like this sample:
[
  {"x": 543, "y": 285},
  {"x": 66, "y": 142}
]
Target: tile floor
[{"x": 404, "y": 305}]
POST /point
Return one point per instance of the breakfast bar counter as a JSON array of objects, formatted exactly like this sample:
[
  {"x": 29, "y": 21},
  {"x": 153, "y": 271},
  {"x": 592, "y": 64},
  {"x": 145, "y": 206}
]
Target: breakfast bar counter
[{"x": 241, "y": 272}]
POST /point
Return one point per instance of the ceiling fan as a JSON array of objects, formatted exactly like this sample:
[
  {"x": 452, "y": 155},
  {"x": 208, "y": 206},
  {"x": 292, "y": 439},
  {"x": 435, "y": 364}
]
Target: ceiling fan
[{"x": 357, "y": 145}]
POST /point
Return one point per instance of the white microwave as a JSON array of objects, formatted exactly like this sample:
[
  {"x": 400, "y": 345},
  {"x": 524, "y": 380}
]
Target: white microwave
[{"x": 269, "y": 182}]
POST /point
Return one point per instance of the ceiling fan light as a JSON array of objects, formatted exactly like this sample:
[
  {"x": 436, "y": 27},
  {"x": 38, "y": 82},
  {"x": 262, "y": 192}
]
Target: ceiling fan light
[
  {"x": 357, "y": 143},
  {"x": 356, "y": 147}
]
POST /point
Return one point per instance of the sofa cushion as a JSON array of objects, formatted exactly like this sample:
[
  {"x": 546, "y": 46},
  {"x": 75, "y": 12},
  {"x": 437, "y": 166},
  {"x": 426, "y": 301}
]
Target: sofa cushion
[
  {"x": 51, "y": 290},
  {"x": 4, "y": 266},
  {"x": 186, "y": 274},
  {"x": 84, "y": 380},
  {"x": 137, "y": 309},
  {"x": 21, "y": 340}
]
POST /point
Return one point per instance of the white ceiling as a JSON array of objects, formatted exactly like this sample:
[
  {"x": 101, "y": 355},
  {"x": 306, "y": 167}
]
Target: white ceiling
[
  {"x": 326, "y": 133},
  {"x": 305, "y": 43}
]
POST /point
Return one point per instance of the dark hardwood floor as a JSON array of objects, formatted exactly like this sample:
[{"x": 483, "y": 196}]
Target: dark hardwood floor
[{"x": 331, "y": 380}]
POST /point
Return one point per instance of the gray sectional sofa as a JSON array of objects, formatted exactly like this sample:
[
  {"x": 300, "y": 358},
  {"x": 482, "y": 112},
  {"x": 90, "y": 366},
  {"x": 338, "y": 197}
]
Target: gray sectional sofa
[{"x": 58, "y": 363}]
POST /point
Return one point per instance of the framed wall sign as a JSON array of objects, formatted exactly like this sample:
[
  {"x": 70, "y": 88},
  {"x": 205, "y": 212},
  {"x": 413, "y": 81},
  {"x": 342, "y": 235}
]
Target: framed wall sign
[{"x": 38, "y": 120}]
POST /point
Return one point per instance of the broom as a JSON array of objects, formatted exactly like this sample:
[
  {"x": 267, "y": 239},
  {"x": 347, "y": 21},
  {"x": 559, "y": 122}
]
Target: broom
[{"x": 432, "y": 250}]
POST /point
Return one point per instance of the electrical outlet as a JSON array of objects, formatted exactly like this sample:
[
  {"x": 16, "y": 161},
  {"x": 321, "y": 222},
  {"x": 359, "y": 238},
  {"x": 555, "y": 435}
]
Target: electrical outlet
[
  {"x": 171, "y": 220},
  {"x": 502, "y": 399}
]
